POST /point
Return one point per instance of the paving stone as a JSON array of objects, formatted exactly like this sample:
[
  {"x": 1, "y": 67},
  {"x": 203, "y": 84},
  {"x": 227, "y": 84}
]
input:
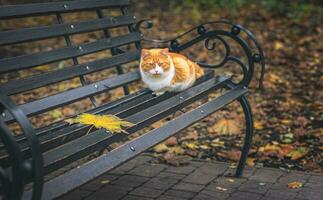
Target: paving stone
[
  {"x": 181, "y": 169},
  {"x": 316, "y": 179},
  {"x": 283, "y": 187},
  {"x": 162, "y": 183},
  {"x": 141, "y": 180},
  {"x": 130, "y": 181},
  {"x": 206, "y": 173},
  {"x": 148, "y": 170},
  {"x": 255, "y": 186},
  {"x": 197, "y": 163},
  {"x": 97, "y": 183},
  {"x": 280, "y": 194},
  {"x": 146, "y": 192},
  {"x": 267, "y": 175},
  {"x": 215, "y": 187},
  {"x": 180, "y": 194},
  {"x": 244, "y": 196},
  {"x": 210, "y": 195},
  {"x": 294, "y": 176},
  {"x": 132, "y": 197},
  {"x": 247, "y": 172},
  {"x": 111, "y": 192},
  {"x": 166, "y": 197},
  {"x": 188, "y": 187},
  {"x": 229, "y": 182},
  {"x": 310, "y": 195},
  {"x": 313, "y": 186},
  {"x": 171, "y": 175},
  {"x": 75, "y": 195}
]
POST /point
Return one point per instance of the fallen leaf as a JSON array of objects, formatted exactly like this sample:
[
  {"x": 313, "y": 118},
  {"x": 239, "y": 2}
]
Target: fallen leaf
[
  {"x": 221, "y": 188},
  {"x": 175, "y": 160},
  {"x": 191, "y": 146},
  {"x": 278, "y": 45},
  {"x": 160, "y": 148},
  {"x": 172, "y": 141},
  {"x": 217, "y": 143},
  {"x": 295, "y": 185},
  {"x": 258, "y": 125},
  {"x": 251, "y": 162},
  {"x": 230, "y": 180},
  {"x": 110, "y": 122},
  {"x": 225, "y": 127},
  {"x": 298, "y": 153},
  {"x": 105, "y": 181},
  {"x": 177, "y": 150},
  {"x": 191, "y": 135},
  {"x": 204, "y": 146},
  {"x": 232, "y": 155}
]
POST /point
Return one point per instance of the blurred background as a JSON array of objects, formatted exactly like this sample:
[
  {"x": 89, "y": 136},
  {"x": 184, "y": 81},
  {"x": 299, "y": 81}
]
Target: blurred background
[{"x": 288, "y": 113}]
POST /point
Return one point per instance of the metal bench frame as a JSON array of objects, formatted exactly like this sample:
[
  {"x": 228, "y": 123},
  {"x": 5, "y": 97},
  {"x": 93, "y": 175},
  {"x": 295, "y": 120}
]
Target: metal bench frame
[{"x": 29, "y": 156}]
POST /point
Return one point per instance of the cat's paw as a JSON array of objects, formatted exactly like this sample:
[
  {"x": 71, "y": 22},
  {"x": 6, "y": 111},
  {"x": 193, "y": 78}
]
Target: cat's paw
[{"x": 156, "y": 94}]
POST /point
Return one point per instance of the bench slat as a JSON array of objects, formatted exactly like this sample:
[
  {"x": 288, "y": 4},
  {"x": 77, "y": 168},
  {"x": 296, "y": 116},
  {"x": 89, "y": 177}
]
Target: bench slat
[
  {"x": 11, "y": 11},
  {"x": 16, "y": 86},
  {"x": 36, "y": 59},
  {"x": 100, "y": 139},
  {"x": 66, "y": 182},
  {"x": 38, "y": 33},
  {"x": 144, "y": 99},
  {"x": 70, "y": 96}
]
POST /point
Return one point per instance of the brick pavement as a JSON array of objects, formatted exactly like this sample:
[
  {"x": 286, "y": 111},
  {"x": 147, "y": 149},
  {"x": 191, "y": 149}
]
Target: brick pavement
[{"x": 139, "y": 179}]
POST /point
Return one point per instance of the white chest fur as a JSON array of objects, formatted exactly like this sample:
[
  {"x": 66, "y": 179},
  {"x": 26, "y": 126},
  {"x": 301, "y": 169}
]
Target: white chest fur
[{"x": 157, "y": 84}]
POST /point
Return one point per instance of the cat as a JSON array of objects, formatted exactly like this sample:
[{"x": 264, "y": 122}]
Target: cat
[{"x": 163, "y": 71}]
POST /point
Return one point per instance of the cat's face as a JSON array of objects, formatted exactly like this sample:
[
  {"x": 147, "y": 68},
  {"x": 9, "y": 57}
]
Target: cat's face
[{"x": 155, "y": 62}]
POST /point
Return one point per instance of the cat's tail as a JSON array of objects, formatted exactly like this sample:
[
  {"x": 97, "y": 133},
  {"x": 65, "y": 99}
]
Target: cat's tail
[{"x": 199, "y": 72}]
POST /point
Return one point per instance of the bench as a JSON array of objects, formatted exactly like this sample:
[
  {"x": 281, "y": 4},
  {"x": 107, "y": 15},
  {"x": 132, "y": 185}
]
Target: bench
[{"x": 27, "y": 159}]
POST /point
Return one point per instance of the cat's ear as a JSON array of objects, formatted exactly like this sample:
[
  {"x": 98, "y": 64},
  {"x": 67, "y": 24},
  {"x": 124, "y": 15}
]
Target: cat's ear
[
  {"x": 144, "y": 53},
  {"x": 165, "y": 51}
]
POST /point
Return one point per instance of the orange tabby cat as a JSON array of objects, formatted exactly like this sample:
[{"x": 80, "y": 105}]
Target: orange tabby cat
[{"x": 164, "y": 71}]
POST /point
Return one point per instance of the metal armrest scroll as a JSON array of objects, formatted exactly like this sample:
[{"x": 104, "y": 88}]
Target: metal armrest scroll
[
  {"x": 21, "y": 169},
  {"x": 213, "y": 36}
]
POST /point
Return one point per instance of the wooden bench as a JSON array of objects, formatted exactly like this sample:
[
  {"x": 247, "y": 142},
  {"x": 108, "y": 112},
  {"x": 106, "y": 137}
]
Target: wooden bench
[{"x": 39, "y": 151}]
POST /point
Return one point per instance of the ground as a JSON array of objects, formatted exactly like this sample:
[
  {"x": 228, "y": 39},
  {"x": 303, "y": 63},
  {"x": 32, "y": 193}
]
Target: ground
[{"x": 140, "y": 179}]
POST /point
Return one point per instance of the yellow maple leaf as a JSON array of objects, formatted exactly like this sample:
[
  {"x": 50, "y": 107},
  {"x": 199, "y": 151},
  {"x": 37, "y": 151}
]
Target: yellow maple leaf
[
  {"x": 109, "y": 122},
  {"x": 295, "y": 185}
]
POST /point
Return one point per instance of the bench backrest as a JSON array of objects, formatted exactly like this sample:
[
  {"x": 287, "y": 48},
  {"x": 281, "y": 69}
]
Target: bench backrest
[{"x": 72, "y": 52}]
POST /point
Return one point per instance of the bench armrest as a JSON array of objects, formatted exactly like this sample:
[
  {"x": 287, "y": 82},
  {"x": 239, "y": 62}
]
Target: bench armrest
[
  {"x": 20, "y": 168},
  {"x": 215, "y": 34}
]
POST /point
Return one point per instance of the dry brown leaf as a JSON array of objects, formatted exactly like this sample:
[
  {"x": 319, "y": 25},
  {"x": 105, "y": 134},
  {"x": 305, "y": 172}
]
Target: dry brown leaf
[
  {"x": 251, "y": 162},
  {"x": 160, "y": 148},
  {"x": 258, "y": 125},
  {"x": 232, "y": 155},
  {"x": 172, "y": 141},
  {"x": 177, "y": 150},
  {"x": 298, "y": 153},
  {"x": 225, "y": 127}
]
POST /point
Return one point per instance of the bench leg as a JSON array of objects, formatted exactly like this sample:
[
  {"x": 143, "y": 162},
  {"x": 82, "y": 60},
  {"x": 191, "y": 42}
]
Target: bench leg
[{"x": 249, "y": 133}]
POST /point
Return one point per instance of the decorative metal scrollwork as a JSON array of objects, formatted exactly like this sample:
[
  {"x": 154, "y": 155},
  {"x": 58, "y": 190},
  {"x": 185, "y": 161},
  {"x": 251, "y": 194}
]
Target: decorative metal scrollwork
[{"x": 213, "y": 38}]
